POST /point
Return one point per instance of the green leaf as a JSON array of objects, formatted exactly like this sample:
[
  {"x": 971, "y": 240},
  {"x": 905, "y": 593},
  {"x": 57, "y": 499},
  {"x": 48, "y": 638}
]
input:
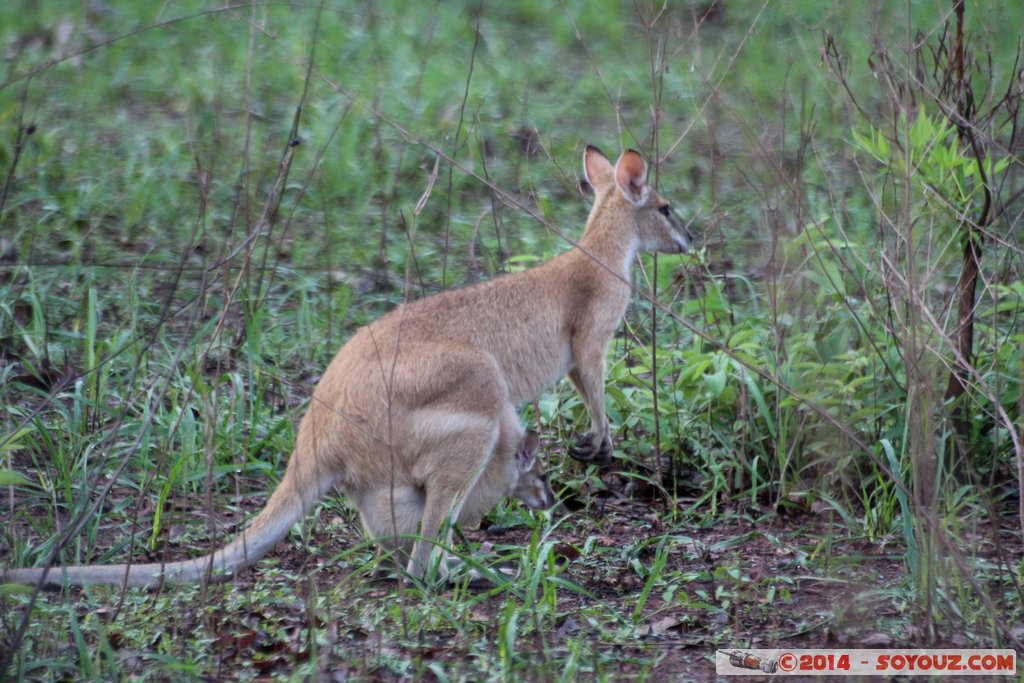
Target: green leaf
[
  {"x": 883, "y": 146},
  {"x": 15, "y": 589},
  {"x": 13, "y": 442},
  {"x": 12, "y": 478},
  {"x": 716, "y": 382},
  {"x": 906, "y": 513},
  {"x": 762, "y": 406}
]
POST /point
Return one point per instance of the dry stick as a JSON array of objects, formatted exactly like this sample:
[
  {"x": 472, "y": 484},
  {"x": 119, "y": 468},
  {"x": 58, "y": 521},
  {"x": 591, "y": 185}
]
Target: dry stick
[
  {"x": 274, "y": 201},
  {"x": 294, "y": 140},
  {"x": 50, "y": 63},
  {"x": 968, "y": 282},
  {"x": 421, "y": 204},
  {"x": 597, "y": 70},
  {"x": 417, "y": 95},
  {"x": 23, "y": 133},
  {"x": 698, "y": 25},
  {"x": 203, "y": 186},
  {"x": 716, "y": 86},
  {"x": 19, "y": 144},
  {"x": 1000, "y": 415},
  {"x": 959, "y": 360},
  {"x": 388, "y": 380},
  {"x": 980, "y": 385},
  {"x": 921, "y": 456},
  {"x": 456, "y": 146},
  {"x": 388, "y": 384},
  {"x": 501, "y": 259},
  {"x": 242, "y": 204},
  {"x": 657, "y": 83},
  {"x": 381, "y": 197},
  {"x": 276, "y": 193},
  {"x": 1017, "y": 440}
]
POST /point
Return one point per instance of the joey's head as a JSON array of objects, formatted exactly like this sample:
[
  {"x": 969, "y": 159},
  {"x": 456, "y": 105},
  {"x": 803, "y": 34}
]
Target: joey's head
[
  {"x": 531, "y": 488},
  {"x": 623, "y": 196}
]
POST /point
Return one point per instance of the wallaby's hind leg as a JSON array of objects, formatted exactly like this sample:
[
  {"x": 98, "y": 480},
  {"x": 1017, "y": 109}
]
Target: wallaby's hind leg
[
  {"x": 392, "y": 517},
  {"x": 457, "y": 466}
]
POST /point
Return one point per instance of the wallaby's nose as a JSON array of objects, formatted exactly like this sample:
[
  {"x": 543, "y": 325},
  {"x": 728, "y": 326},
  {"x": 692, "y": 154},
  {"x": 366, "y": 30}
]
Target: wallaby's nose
[
  {"x": 683, "y": 241},
  {"x": 680, "y": 235}
]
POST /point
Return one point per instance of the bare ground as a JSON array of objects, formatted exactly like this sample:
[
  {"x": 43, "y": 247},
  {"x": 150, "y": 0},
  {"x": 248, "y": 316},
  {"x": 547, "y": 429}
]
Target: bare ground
[{"x": 745, "y": 578}]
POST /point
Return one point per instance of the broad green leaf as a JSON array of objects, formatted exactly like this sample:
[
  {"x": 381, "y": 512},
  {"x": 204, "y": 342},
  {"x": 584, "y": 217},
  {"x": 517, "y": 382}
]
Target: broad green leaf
[
  {"x": 715, "y": 382},
  {"x": 12, "y": 478}
]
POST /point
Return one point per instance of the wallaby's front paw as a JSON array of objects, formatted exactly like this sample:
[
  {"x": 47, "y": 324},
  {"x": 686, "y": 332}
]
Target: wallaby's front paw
[{"x": 590, "y": 450}]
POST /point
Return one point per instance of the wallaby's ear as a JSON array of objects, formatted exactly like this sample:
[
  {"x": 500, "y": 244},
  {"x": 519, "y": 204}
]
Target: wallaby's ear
[
  {"x": 526, "y": 452},
  {"x": 631, "y": 177},
  {"x": 596, "y": 168}
]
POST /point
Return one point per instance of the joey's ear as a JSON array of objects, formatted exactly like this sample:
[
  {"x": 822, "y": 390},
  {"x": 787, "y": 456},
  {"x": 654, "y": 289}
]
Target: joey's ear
[
  {"x": 526, "y": 453},
  {"x": 596, "y": 168},
  {"x": 631, "y": 177}
]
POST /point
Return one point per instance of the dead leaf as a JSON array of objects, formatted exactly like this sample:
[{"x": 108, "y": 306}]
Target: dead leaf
[
  {"x": 876, "y": 640},
  {"x": 566, "y": 552},
  {"x": 568, "y": 627},
  {"x": 657, "y": 628}
]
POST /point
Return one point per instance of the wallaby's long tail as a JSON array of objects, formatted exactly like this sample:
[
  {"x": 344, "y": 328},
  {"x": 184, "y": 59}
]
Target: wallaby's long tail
[{"x": 289, "y": 502}]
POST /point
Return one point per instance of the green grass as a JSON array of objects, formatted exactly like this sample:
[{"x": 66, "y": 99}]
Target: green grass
[{"x": 175, "y": 274}]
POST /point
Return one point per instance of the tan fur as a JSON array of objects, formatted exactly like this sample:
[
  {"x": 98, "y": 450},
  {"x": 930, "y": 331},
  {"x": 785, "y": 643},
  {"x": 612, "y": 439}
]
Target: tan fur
[{"x": 415, "y": 418}]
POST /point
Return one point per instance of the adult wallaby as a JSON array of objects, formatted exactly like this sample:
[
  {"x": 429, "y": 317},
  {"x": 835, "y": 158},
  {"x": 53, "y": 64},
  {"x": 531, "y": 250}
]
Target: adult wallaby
[{"x": 415, "y": 418}]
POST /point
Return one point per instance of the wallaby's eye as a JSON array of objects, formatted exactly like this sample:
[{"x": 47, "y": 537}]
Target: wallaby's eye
[{"x": 665, "y": 210}]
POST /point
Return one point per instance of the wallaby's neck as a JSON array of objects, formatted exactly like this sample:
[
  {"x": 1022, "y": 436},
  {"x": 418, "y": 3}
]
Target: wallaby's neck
[{"x": 609, "y": 238}]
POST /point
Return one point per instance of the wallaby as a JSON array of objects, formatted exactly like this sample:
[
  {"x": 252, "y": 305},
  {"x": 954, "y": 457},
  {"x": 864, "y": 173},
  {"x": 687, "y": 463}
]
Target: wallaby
[{"x": 415, "y": 418}]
